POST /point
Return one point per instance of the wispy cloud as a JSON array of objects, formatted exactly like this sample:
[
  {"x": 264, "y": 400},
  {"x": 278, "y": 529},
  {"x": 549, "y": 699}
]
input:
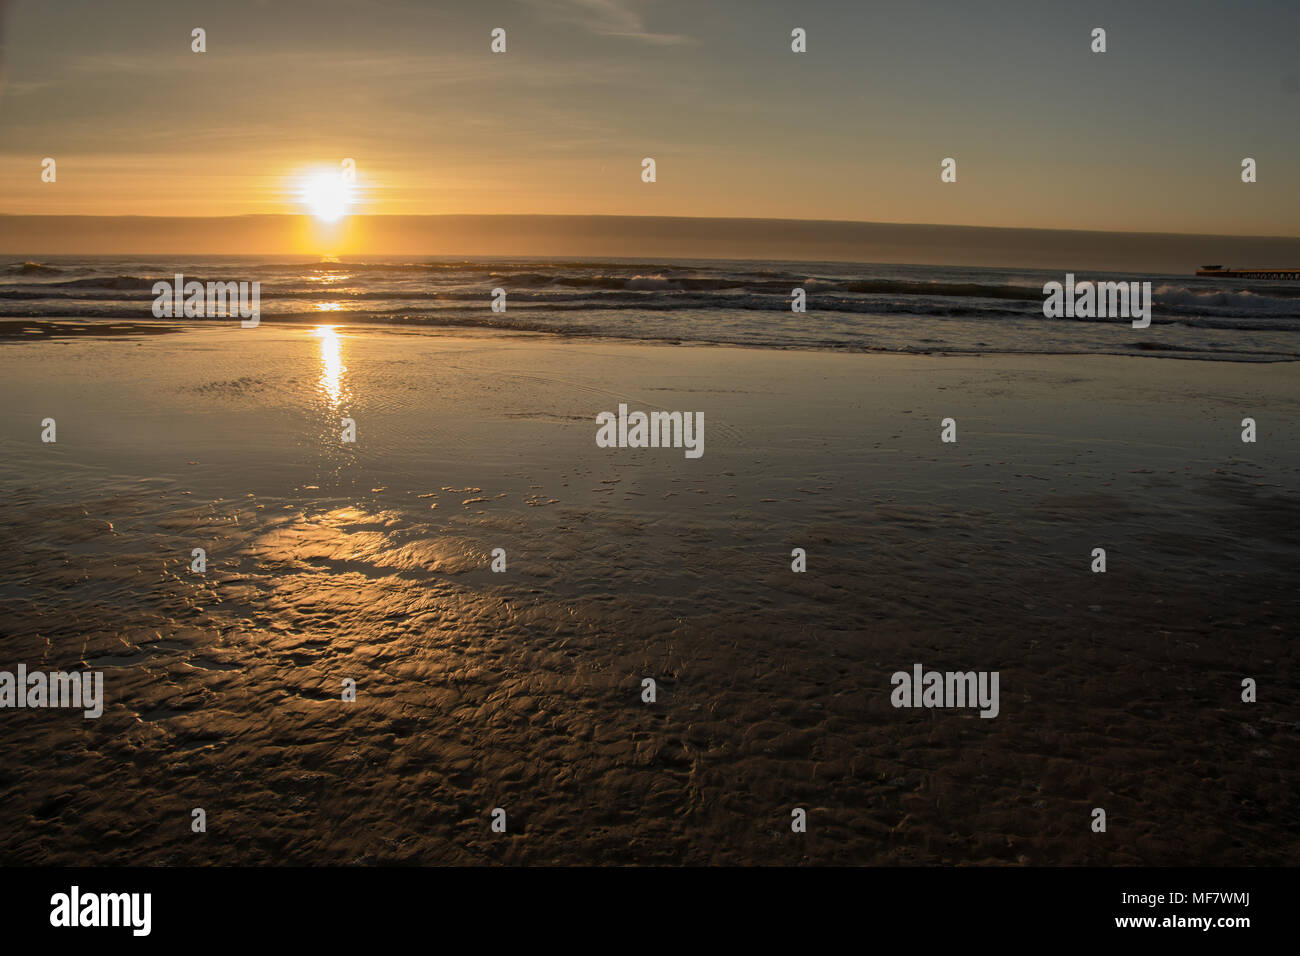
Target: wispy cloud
[{"x": 617, "y": 18}]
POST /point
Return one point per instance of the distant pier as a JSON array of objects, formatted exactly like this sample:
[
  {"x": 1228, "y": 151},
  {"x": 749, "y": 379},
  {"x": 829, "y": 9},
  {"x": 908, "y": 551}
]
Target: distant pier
[{"x": 1221, "y": 272}]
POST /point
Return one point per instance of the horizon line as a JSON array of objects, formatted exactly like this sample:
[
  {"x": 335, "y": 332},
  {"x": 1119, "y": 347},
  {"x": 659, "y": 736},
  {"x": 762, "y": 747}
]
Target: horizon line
[{"x": 589, "y": 216}]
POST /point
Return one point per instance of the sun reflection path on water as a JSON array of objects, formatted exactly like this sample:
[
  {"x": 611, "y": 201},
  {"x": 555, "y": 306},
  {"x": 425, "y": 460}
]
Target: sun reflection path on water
[{"x": 331, "y": 366}]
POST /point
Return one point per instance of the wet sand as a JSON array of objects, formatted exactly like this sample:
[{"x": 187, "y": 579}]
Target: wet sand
[{"x": 521, "y": 690}]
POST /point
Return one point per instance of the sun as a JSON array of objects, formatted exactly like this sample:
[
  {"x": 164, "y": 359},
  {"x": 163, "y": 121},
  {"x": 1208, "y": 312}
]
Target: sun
[{"x": 327, "y": 195}]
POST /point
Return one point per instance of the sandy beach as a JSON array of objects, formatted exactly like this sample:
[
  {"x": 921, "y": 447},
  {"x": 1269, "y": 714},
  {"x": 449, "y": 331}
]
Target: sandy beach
[{"x": 371, "y": 561}]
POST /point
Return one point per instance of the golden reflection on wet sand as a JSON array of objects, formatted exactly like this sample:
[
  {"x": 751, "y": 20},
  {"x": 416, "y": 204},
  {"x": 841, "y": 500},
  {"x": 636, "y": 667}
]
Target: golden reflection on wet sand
[{"x": 332, "y": 367}]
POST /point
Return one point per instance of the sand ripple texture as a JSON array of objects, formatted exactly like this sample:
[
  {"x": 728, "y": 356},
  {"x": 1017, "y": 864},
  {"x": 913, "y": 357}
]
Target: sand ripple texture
[{"x": 522, "y": 690}]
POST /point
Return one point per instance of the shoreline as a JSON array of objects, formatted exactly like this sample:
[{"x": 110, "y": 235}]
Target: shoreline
[{"x": 31, "y": 330}]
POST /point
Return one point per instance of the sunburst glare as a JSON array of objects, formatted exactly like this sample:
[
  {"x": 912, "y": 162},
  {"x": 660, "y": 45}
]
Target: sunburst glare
[{"x": 328, "y": 196}]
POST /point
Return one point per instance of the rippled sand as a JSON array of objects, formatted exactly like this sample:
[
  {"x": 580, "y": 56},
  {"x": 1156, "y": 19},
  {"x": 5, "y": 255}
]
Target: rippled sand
[{"x": 521, "y": 690}]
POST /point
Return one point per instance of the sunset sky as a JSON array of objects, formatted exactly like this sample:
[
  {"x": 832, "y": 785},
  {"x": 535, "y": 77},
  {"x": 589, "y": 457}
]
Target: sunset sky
[{"x": 1147, "y": 137}]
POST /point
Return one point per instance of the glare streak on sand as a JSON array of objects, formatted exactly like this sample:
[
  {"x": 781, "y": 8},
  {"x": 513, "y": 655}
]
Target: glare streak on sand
[
  {"x": 332, "y": 367},
  {"x": 522, "y": 688}
]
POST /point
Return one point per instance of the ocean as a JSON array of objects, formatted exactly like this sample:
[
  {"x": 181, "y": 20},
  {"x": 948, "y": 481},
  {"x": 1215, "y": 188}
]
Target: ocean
[{"x": 850, "y": 307}]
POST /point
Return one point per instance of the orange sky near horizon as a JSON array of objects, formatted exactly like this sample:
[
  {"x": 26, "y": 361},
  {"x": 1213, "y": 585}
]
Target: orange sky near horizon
[{"x": 1147, "y": 137}]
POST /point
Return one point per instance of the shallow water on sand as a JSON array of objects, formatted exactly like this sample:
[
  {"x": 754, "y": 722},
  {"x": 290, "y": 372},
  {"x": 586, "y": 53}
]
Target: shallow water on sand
[{"x": 521, "y": 690}]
